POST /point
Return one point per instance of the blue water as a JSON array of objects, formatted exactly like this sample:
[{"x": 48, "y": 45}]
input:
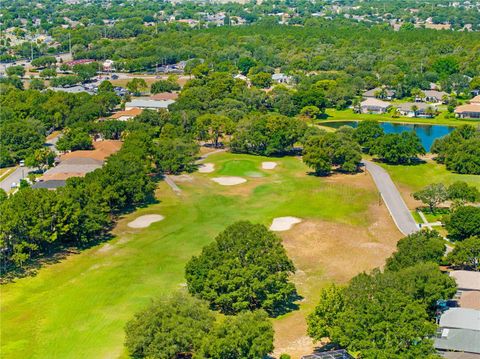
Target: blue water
[{"x": 427, "y": 133}]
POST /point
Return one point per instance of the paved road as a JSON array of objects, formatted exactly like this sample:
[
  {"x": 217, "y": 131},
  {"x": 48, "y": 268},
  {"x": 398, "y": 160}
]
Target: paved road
[
  {"x": 14, "y": 176},
  {"x": 392, "y": 198}
]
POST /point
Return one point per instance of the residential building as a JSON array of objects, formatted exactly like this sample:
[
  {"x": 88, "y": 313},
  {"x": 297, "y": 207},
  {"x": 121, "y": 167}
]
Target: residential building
[
  {"x": 148, "y": 104},
  {"x": 126, "y": 115},
  {"x": 432, "y": 96},
  {"x": 468, "y": 284},
  {"x": 459, "y": 330},
  {"x": 281, "y": 78},
  {"x": 380, "y": 92},
  {"x": 332, "y": 354},
  {"x": 416, "y": 109},
  {"x": 475, "y": 100},
  {"x": 468, "y": 111},
  {"x": 373, "y": 105}
]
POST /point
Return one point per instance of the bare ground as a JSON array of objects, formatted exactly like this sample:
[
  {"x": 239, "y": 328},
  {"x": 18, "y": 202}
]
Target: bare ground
[{"x": 326, "y": 252}]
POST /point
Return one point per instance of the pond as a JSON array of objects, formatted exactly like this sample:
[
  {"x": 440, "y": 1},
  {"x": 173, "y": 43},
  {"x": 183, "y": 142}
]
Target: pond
[{"x": 427, "y": 133}]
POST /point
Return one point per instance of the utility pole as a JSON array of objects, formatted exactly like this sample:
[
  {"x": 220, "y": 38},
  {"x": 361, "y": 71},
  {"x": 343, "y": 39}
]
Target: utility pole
[
  {"x": 31, "y": 50},
  {"x": 70, "y": 44}
]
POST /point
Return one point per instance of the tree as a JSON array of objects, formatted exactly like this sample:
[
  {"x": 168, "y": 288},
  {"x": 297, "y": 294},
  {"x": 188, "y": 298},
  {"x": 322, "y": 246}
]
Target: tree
[
  {"x": 74, "y": 139},
  {"x": 136, "y": 85},
  {"x": 212, "y": 127},
  {"x": 48, "y": 73},
  {"x": 42, "y": 158},
  {"x": 270, "y": 134},
  {"x": 86, "y": 71},
  {"x": 325, "y": 150},
  {"x": 37, "y": 84},
  {"x": 262, "y": 80},
  {"x": 398, "y": 148},
  {"x": 15, "y": 71},
  {"x": 170, "y": 328},
  {"x": 465, "y": 159},
  {"x": 3, "y": 195},
  {"x": 245, "y": 268},
  {"x": 249, "y": 335},
  {"x": 106, "y": 86},
  {"x": 332, "y": 302},
  {"x": 175, "y": 154},
  {"x": 164, "y": 86},
  {"x": 310, "y": 112},
  {"x": 460, "y": 192},
  {"x": 44, "y": 61},
  {"x": 466, "y": 253},
  {"x": 432, "y": 195},
  {"x": 420, "y": 247},
  {"x": 244, "y": 64},
  {"x": 367, "y": 133},
  {"x": 464, "y": 222}
]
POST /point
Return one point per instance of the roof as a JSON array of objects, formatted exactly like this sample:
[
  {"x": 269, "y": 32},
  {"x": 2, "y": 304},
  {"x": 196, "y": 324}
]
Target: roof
[
  {"x": 435, "y": 93},
  {"x": 470, "y": 299},
  {"x": 461, "y": 318},
  {"x": 279, "y": 76},
  {"x": 475, "y": 100},
  {"x": 164, "y": 96},
  {"x": 332, "y": 354},
  {"x": 371, "y": 93},
  {"x": 468, "y": 108},
  {"x": 465, "y": 279},
  {"x": 458, "y": 355},
  {"x": 459, "y": 340},
  {"x": 102, "y": 149},
  {"x": 51, "y": 184},
  {"x": 72, "y": 89},
  {"x": 407, "y": 106},
  {"x": 132, "y": 113},
  {"x": 149, "y": 103},
  {"x": 373, "y": 102}
]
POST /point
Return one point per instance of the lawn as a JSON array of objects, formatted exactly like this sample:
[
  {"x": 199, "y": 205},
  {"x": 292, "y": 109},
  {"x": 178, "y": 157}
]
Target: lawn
[
  {"x": 349, "y": 115},
  {"x": 78, "y": 307},
  {"x": 418, "y": 176}
]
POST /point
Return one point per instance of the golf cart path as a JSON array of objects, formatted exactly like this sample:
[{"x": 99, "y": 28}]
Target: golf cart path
[{"x": 392, "y": 198}]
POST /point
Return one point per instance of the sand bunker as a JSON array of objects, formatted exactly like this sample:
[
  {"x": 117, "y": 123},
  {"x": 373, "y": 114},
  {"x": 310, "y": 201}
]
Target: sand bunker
[
  {"x": 284, "y": 223},
  {"x": 206, "y": 168},
  {"x": 145, "y": 221},
  {"x": 269, "y": 165},
  {"x": 229, "y": 181}
]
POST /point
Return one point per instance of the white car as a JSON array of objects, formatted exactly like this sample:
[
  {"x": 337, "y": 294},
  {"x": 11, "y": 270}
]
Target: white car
[
  {"x": 22, "y": 163},
  {"x": 13, "y": 185}
]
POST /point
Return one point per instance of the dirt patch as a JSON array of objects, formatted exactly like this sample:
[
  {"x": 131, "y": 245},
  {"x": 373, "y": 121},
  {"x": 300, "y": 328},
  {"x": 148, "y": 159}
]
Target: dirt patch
[
  {"x": 280, "y": 224},
  {"x": 229, "y": 181},
  {"x": 145, "y": 221},
  {"x": 269, "y": 165},
  {"x": 206, "y": 168}
]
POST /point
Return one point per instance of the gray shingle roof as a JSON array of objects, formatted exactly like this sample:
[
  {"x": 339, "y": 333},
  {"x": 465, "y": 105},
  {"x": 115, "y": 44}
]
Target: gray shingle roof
[{"x": 459, "y": 340}]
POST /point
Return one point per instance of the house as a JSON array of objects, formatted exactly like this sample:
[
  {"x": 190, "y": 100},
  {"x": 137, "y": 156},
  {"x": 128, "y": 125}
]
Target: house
[
  {"x": 422, "y": 109},
  {"x": 148, "y": 104},
  {"x": 432, "y": 96},
  {"x": 468, "y": 111},
  {"x": 126, "y": 115},
  {"x": 281, "y": 78},
  {"x": 107, "y": 65},
  {"x": 468, "y": 283},
  {"x": 388, "y": 94},
  {"x": 459, "y": 330},
  {"x": 241, "y": 77},
  {"x": 373, "y": 105},
  {"x": 475, "y": 100},
  {"x": 77, "y": 164}
]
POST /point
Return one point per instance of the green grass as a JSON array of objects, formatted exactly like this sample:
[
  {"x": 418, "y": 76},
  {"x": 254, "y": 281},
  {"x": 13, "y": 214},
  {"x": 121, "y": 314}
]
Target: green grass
[
  {"x": 349, "y": 115},
  {"x": 77, "y": 308},
  {"x": 416, "y": 217},
  {"x": 418, "y": 176}
]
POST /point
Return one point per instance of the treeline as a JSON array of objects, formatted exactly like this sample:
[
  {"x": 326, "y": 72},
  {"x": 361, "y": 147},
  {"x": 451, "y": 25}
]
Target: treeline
[
  {"x": 39, "y": 222},
  {"x": 390, "y": 313}
]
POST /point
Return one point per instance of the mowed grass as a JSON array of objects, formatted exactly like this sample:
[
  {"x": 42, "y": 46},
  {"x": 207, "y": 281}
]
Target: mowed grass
[
  {"x": 78, "y": 308},
  {"x": 418, "y": 176}
]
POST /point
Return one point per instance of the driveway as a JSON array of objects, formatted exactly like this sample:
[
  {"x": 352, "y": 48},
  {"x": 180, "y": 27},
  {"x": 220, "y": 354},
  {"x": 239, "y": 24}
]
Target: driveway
[{"x": 392, "y": 198}]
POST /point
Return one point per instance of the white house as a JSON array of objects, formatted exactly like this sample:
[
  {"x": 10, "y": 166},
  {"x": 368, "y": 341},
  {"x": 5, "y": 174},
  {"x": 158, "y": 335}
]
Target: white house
[
  {"x": 281, "y": 78},
  {"x": 148, "y": 104},
  {"x": 373, "y": 105}
]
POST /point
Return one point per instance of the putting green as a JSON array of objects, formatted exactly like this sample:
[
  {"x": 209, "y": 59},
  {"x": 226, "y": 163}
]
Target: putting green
[{"x": 77, "y": 308}]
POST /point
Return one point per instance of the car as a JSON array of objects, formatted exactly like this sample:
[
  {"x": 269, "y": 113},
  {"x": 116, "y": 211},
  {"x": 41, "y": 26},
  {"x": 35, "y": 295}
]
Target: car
[
  {"x": 13, "y": 185},
  {"x": 114, "y": 77},
  {"x": 22, "y": 163}
]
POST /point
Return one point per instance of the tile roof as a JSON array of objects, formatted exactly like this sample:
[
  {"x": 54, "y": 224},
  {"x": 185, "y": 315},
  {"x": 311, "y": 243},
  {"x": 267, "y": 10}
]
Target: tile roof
[
  {"x": 132, "y": 112},
  {"x": 468, "y": 108},
  {"x": 373, "y": 102},
  {"x": 466, "y": 279}
]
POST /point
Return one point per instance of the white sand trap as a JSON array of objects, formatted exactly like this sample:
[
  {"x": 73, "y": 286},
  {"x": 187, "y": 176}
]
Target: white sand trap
[
  {"x": 145, "y": 221},
  {"x": 284, "y": 223},
  {"x": 269, "y": 165},
  {"x": 229, "y": 181},
  {"x": 206, "y": 168}
]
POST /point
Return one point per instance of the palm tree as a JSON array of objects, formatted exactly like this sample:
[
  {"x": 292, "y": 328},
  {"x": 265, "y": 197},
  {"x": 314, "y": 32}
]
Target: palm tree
[{"x": 414, "y": 108}]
